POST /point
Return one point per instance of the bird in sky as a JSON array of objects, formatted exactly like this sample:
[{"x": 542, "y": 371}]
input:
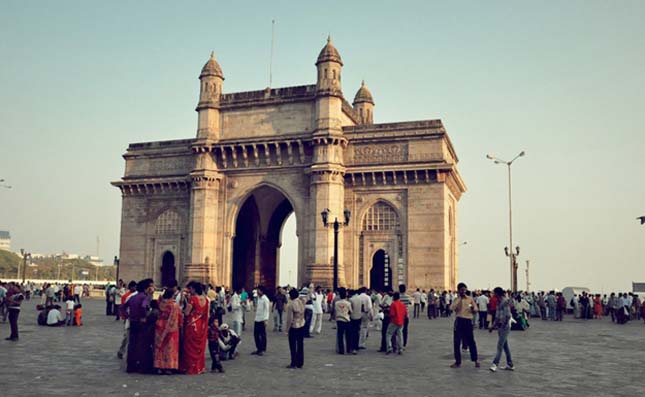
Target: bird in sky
[{"x": 642, "y": 219}]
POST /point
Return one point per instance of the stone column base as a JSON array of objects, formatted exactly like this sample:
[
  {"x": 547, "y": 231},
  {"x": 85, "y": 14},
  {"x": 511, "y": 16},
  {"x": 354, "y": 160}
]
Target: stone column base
[
  {"x": 322, "y": 274},
  {"x": 196, "y": 272}
]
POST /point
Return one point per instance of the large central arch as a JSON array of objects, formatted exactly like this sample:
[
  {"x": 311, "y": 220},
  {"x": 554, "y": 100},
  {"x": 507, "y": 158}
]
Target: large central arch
[{"x": 258, "y": 237}]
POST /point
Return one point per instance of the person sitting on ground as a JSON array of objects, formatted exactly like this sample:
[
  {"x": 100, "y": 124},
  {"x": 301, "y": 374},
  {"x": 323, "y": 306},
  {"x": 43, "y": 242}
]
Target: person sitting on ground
[
  {"x": 55, "y": 317},
  {"x": 228, "y": 342},
  {"x": 43, "y": 311}
]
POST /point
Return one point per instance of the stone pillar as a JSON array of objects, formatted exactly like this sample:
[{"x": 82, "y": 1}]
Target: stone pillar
[
  {"x": 204, "y": 208},
  {"x": 326, "y": 192},
  {"x": 327, "y": 189}
]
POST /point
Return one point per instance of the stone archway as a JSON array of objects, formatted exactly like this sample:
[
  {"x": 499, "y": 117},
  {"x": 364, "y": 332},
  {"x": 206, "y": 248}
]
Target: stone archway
[
  {"x": 381, "y": 272},
  {"x": 257, "y": 241},
  {"x": 168, "y": 268}
]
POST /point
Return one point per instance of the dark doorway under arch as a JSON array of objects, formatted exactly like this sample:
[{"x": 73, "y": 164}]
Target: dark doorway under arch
[
  {"x": 380, "y": 276},
  {"x": 257, "y": 239},
  {"x": 168, "y": 269}
]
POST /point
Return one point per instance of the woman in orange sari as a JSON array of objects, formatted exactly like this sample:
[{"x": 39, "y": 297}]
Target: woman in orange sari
[
  {"x": 193, "y": 350},
  {"x": 167, "y": 334}
]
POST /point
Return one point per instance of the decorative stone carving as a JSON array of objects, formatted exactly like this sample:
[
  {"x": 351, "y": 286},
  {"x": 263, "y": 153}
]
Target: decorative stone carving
[{"x": 380, "y": 153}]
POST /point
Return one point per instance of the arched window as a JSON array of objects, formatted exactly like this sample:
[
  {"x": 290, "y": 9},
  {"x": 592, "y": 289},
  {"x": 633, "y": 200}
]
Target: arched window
[
  {"x": 381, "y": 216},
  {"x": 168, "y": 222}
]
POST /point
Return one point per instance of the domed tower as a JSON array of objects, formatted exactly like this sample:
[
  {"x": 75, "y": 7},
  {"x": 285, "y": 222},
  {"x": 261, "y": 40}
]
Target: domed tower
[
  {"x": 329, "y": 67},
  {"x": 364, "y": 105},
  {"x": 211, "y": 83},
  {"x": 327, "y": 171}
]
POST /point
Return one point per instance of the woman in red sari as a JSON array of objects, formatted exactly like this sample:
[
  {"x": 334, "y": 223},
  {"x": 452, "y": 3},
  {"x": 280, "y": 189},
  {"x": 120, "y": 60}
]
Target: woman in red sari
[
  {"x": 597, "y": 305},
  {"x": 167, "y": 334},
  {"x": 193, "y": 350}
]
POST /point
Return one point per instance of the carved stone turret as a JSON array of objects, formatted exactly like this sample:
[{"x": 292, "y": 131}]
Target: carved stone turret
[
  {"x": 364, "y": 105},
  {"x": 211, "y": 83}
]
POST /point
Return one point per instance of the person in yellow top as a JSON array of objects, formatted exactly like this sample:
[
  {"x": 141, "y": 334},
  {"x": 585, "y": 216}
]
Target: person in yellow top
[{"x": 464, "y": 307}]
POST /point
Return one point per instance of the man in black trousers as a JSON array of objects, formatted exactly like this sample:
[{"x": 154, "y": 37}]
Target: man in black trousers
[
  {"x": 464, "y": 307},
  {"x": 386, "y": 301}
]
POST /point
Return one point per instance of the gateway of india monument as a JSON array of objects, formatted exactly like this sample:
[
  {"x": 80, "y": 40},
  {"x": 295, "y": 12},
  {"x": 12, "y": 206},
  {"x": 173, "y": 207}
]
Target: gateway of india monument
[{"x": 212, "y": 208}]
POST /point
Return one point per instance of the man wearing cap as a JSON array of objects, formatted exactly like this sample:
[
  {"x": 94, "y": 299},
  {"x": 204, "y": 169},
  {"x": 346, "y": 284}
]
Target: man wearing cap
[
  {"x": 228, "y": 342},
  {"x": 464, "y": 307}
]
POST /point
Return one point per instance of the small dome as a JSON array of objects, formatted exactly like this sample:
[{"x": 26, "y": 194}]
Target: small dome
[
  {"x": 212, "y": 68},
  {"x": 329, "y": 53},
  {"x": 363, "y": 95}
]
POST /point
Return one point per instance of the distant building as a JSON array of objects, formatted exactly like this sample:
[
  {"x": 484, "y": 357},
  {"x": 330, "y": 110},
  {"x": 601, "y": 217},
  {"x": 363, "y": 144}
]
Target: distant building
[
  {"x": 95, "y": 260},
  {"x": 638, "y": 288},
  {"x": 5, "y": 240}
]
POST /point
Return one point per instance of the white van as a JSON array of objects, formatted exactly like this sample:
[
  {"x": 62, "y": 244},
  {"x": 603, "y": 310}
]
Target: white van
[{"x": 569, "y": 292}]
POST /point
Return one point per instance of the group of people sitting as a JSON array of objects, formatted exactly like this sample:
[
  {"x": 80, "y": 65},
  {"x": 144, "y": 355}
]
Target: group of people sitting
[{"x": 52, "y": 316}]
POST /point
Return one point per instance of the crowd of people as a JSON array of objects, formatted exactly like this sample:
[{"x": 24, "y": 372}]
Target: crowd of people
[
  {"x": 170, "y": 334},
  {"x": 173, "y": 332}
]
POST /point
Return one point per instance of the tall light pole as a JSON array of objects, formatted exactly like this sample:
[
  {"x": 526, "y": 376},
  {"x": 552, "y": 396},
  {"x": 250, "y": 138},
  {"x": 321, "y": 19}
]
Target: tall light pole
[
  {"x": 25, "y": 255},
  {"x": 528, "y": 283},
  {"x": 512, "y": 258},
  {"x": 336, "y": 225},
  {"x": 116, "y": 263}
]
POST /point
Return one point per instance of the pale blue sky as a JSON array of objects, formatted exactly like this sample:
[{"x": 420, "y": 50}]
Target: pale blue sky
[{"x": 562, "y": 80}]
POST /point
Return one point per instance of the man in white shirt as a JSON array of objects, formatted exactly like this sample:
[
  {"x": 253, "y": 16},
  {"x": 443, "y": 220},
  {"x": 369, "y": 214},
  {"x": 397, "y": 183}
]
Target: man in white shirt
[
  {"x": 482, "y": 305},
  {"x": 55, "y": 317},
  {"x": 236, "y": 312},
  {"x": 366, "y": 316},
  {"x": 424, "y": 299},
  {"x": 317, "y": 302},
  {"x": 355, "y": 320},
  {"x": 56, "y": 290},
  {"x": 261, "y": 319},
  {"x": 416, "y": 298},
  {"x": 77, "y": 293}
]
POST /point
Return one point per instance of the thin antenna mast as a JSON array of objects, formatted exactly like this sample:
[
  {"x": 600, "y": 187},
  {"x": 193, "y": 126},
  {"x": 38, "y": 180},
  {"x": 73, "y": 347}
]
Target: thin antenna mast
[{"x": 271, "y": 59}]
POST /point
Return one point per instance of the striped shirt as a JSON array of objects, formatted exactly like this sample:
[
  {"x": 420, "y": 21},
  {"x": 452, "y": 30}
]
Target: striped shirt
[{"x": 405, "y": 299}]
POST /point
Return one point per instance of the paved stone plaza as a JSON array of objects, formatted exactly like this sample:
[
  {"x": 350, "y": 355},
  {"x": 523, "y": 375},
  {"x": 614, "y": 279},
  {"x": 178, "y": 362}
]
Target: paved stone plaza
[{"x": 568, "y": 358}]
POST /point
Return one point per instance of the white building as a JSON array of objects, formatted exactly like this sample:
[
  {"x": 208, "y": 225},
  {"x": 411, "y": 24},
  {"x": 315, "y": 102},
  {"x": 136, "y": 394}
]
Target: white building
[{"x": 5, "y": 240}]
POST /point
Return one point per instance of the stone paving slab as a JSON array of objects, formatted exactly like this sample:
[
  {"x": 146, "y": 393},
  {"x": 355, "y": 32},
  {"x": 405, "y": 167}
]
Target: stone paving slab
[{"x": 575, "y": 357}]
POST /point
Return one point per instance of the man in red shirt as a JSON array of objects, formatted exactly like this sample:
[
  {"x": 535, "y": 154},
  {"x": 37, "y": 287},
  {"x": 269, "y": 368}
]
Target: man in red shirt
[
  {"x": 492, "y": 308},
  {"x": 398, "y": 313}
]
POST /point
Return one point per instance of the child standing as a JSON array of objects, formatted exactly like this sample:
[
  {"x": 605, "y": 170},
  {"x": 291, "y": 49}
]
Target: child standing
[
  {"x": 213, "y": 344},
  {"x": 78, "y": 315},
  {"x": 69, "y": 303}
]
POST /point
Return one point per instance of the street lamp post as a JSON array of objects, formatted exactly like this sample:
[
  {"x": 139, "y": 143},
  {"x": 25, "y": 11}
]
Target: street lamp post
[
  {"x": 25, "y": 255},
  {"x": 513, "y": 263},
  {"x": 336, "y": 225},
  {"x": 528, "y": 283},
  {"x": 116, "y": 263}
]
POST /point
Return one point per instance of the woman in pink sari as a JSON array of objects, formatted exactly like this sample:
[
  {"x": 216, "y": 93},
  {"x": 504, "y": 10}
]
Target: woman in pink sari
[
  {"x": 193, "y": 350},
  {"x": 167, "y": 334}
]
